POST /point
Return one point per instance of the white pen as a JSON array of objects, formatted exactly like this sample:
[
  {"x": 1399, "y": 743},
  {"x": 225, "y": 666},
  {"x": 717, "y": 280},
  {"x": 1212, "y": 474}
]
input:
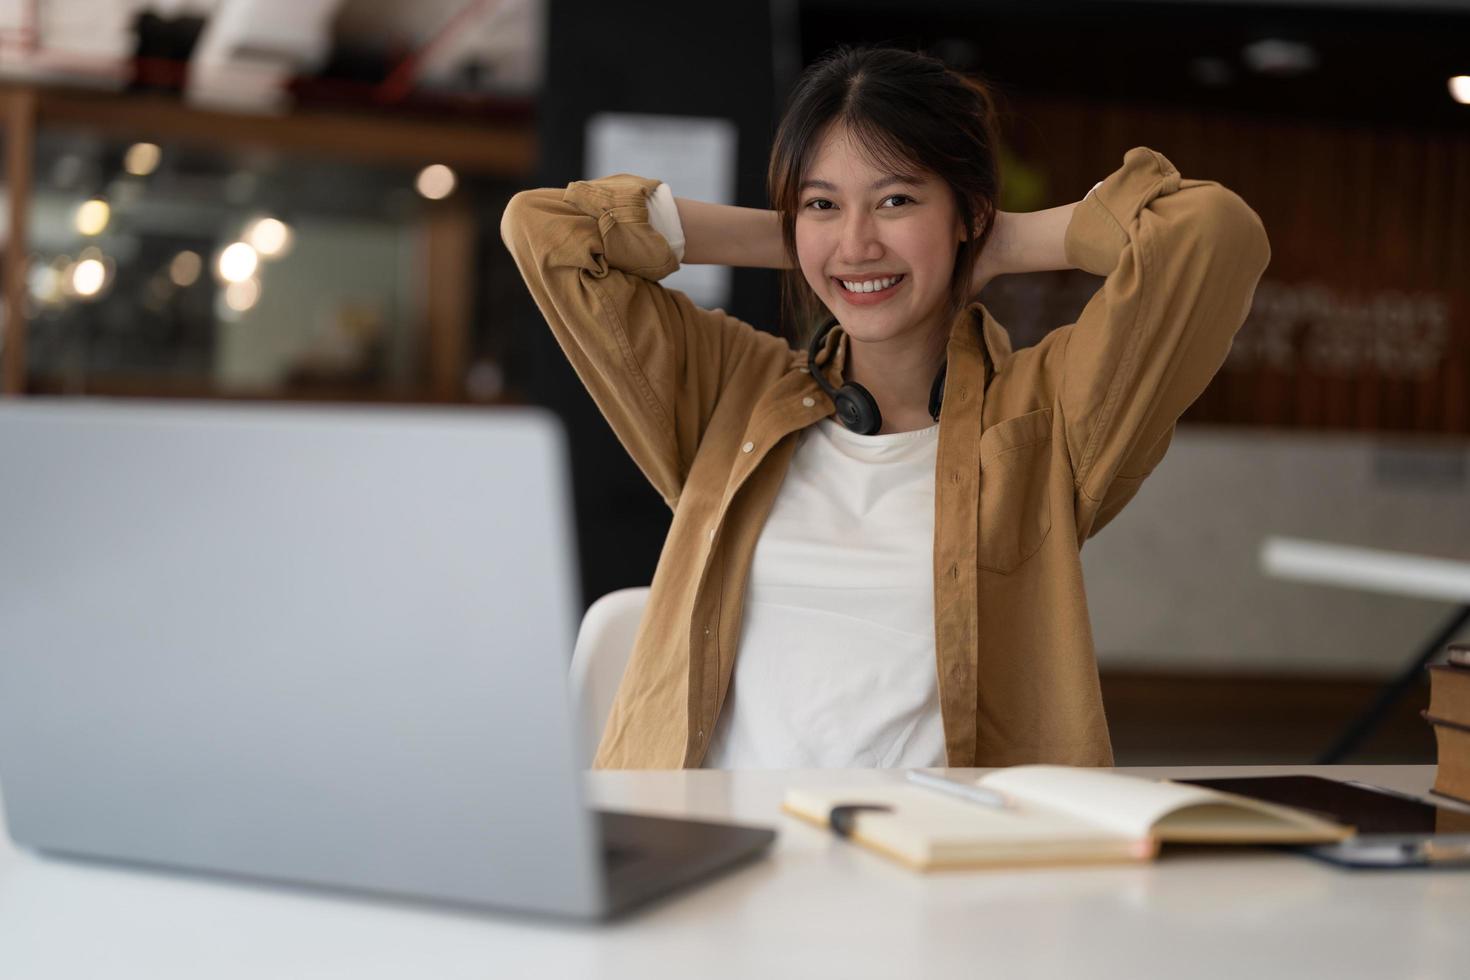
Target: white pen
[{"x": 965, "y": 791}]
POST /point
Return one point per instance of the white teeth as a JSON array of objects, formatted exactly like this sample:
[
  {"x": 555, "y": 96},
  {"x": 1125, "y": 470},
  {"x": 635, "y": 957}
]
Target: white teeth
[{"x": 871, "y": 286}]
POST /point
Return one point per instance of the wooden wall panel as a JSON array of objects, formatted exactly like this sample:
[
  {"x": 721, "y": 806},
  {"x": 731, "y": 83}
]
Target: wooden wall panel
[{"x": 1362, "y": 320}]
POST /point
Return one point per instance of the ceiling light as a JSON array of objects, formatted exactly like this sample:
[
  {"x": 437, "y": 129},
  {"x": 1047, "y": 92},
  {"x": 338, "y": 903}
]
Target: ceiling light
[
  {"x": 1274, "y": 56},
  {"x": 1460, "y": 89}
]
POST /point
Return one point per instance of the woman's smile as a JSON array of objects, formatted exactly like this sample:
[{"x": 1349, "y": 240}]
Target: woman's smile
[{"x": 869, "y": 291}]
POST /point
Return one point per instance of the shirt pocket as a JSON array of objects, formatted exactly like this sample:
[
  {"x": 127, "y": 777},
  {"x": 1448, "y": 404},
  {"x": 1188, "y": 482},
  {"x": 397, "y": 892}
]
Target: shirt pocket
[{"x": 1015, "y": 500}]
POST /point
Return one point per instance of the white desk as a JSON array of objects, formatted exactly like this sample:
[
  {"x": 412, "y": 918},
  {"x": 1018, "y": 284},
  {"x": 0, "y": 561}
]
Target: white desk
[{"x": 817, "y": 907}]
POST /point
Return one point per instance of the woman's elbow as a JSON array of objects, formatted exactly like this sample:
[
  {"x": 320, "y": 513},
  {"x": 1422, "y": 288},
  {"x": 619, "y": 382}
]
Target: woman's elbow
[
  {"x": 1231, "y": 227},
  {"x": 524, "y": 212}
]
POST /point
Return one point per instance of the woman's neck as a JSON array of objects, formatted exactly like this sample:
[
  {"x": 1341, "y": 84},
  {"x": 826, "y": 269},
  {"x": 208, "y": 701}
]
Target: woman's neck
[{"x": 899, "y": 373}]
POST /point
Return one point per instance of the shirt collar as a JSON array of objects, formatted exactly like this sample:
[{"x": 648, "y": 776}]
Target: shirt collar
[{"x": 971, "y": 327}]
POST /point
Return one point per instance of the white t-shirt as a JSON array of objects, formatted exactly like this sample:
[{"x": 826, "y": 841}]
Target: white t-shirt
[{"x": 836, "y": 662}]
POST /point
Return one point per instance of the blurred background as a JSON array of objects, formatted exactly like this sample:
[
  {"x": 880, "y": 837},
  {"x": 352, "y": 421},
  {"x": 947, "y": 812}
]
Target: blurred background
[{"x": 267, "y": 200}]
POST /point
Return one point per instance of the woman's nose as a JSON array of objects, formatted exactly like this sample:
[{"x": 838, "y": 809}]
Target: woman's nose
[{"x": 859, "y": 241}]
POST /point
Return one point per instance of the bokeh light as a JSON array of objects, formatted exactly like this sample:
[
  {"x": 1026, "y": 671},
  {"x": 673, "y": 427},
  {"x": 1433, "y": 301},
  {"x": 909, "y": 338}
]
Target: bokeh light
[
  {"x": 435, "y": 181},
  {"x": 92, "y": 216},
  {"x": 185, "y": 268},
  {"x": 270, "y": 237},
  {"x": 237, "y": 262},
  {"x": 88, "y": 277},
  {"x": 241, "y": 296},
  {"x": 142, "y": 159}
]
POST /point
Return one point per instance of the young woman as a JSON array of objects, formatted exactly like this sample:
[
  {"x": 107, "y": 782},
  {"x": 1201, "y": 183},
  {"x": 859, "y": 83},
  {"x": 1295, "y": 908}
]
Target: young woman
[{"x": 873, "y": 559}]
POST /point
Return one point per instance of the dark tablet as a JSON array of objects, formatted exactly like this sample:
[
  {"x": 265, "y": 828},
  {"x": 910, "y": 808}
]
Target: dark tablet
[{"x": 1395, "y": 830}]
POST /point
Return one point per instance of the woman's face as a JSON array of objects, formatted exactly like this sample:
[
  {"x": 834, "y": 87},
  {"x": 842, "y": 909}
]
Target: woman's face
[{"x": 856, "y": 225}]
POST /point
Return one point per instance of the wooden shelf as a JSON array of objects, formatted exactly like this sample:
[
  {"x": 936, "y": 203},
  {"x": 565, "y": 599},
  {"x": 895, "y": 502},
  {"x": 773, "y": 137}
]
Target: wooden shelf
[
  {"x": 501, "y": 148},
  {"x": 162, "y": 386},
  {"x": 168, "y": 387}
]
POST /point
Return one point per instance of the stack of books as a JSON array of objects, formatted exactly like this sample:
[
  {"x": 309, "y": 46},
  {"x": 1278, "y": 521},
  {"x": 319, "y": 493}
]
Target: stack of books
[{"x": 1449, "y": 713}]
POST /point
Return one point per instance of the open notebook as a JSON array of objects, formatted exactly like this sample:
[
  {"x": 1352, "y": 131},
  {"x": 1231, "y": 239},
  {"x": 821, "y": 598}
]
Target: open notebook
[{"x": 1057, "y": 815}]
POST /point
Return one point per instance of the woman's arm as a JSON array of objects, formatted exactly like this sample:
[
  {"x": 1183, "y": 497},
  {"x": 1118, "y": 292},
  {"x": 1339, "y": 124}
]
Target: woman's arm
[
  {"x": 1030, "y": 242},
  {"x": 719, "y": 234},
  {"x": 1180, "y": 260},
  {"x": 654, "y": 362}
]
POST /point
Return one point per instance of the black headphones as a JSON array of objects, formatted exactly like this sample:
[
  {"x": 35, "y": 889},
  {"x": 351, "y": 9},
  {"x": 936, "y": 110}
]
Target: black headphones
[{"x": 857, "y": 409}]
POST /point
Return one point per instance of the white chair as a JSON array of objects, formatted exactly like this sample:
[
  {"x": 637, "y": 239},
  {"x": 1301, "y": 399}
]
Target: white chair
[{"x": 604, "y": 643}]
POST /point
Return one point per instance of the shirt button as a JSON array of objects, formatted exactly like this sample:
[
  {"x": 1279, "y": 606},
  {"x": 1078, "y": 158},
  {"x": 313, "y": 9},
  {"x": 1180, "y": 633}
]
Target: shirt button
[
  {"x": 808, "y": 402},
  {"x": 804, "y": 370},
  {"x": 747, "y": 447},
  {"x": 711, "y": 534}
]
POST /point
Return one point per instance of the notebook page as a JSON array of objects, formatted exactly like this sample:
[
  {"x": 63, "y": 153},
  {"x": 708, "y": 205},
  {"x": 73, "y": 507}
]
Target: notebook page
[{"x": 1128, "y": 805}]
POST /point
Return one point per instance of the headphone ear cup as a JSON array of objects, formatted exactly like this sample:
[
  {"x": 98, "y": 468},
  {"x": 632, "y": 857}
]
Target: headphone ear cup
[{"x": 857, "y": 409}]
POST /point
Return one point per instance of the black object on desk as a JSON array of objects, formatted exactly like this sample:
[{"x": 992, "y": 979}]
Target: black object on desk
[{"x": 1394, "y": 830}]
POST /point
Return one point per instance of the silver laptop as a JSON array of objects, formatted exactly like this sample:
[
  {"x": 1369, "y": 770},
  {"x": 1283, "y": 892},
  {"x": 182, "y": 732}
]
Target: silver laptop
[{"x": 320, "y": 645}]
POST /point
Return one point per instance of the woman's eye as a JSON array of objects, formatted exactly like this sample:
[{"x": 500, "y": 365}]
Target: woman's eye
[{"x": 814, "y": 203}]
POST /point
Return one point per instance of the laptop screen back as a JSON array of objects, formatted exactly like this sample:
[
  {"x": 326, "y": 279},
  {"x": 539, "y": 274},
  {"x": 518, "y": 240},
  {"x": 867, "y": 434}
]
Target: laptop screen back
[{"x": 318, "y": 644}]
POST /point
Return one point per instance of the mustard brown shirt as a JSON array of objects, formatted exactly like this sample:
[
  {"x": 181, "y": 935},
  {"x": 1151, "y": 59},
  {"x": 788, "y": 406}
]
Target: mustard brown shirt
[{"x": 1038, "y": 448}]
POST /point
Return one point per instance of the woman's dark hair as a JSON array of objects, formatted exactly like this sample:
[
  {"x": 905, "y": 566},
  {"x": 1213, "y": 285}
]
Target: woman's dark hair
[{"x": 907, "y": 112}]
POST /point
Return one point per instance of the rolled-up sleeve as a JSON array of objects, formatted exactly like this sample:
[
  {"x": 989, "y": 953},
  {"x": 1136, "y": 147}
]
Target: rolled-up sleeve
[
  {"x": 652, "y": 360},
  {"x": 1181, "y": 259}
]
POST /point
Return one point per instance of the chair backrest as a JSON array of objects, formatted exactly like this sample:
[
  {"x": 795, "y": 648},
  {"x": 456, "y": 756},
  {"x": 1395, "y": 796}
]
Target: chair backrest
[{"x": 604, "y": 643}]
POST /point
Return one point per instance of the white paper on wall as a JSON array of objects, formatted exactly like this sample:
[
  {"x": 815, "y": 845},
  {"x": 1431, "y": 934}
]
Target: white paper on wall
[{"x": 694, "y": 155}]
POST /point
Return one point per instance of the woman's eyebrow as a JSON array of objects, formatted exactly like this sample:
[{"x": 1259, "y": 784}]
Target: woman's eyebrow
[{"x": 877, "y": 185}]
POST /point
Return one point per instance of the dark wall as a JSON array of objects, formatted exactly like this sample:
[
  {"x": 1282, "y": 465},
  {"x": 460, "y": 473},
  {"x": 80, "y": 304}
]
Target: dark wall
[{"x": 660, "y": 57}]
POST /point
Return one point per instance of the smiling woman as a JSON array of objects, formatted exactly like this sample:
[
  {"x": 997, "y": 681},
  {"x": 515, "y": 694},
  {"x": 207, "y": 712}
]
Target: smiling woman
[
  {"x": 885, "y": 262},
  {"x": 866, "y": 122},
  {"x": 902, "y": 590}
]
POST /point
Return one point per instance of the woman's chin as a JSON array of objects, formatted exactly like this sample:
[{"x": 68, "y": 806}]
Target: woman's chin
[
  {"x": 868, "y": 324},
  {"x": 866, "y": 331}
]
